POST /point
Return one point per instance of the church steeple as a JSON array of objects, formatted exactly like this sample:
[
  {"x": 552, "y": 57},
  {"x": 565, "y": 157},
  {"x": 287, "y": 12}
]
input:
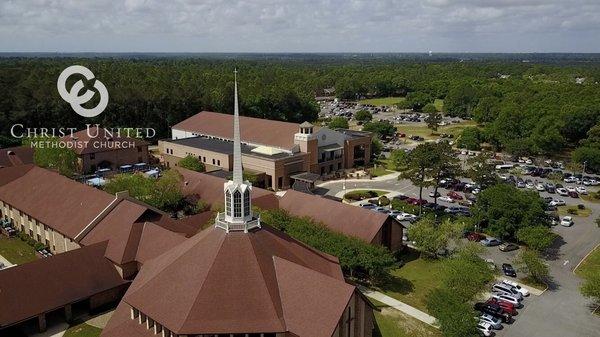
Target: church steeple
[{"x": 238, "y": 193}]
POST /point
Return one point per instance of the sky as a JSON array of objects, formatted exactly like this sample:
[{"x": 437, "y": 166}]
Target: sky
[{"x": 300, "y": 26}]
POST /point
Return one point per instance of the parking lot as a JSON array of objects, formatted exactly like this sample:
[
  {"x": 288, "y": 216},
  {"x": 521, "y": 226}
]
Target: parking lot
[{"x": 561, "y": 310}]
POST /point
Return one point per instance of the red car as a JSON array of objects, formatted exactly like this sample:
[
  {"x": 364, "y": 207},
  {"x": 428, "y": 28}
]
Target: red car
[
  {"x": 573, "y": 194},
  {"x": 507, "y": 307},
  {"x": 418, "y": 202},
  {"x": 455, "y": 195},
  {"x": 475, "y": 237}
]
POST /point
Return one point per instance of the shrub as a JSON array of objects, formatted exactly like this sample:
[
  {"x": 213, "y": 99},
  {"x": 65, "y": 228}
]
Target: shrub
[
  {"x": 191, "y": 163},
  {"x": 384, "y": 201},
  {"x": 581, "y": 206},
  {"x": 360, "y": 195},
  {"x": 572, "y": 211}
]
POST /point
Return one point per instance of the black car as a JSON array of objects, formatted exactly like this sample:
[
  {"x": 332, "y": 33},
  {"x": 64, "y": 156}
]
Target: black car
[
  {"x": 508, "y": 270},
  {"x": 494, "y": 310}
]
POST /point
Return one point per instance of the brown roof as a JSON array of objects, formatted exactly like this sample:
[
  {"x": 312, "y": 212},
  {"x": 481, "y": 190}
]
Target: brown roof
[
  {"x": 98, "y": 140},
  {"x": 127, "y": 229},
  {"x": 10, "y": 173},
  {"x": 343, "y": 218},
  {"x": 15, "y": 156},
  {"x": 263, "y": 281},
  {"x": 47, "y": 284},
  {"x": 210, "y": 189},
  {"x": 253, "y": 130},
  {"x": 57, "y": 201}
]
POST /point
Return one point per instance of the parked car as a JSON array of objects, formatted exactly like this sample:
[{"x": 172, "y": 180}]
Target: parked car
[
  {"x": 434, "y": 194},
  {"x": 516, "y": 286},
  {"x": 494, "y": 310},
  {"x": 562, "y": 191},
  {"x": 502, "y": 287},
  {"x": 508, "y": 247},
  {"x": 506, "y": 307},
  {"x": 557, "y": 202},
  {"x": 508, "y": 298},
  {"x": 446, "y": 199},
  {"x": 368, "y": 206},
  {"x": 454, "y": 195},
  {"x": 489, "y": 242},
  {"x": 540, "y": 187},
  {"x": 570, "y": 180},
  {"x": 581, "y": 190},
  {"x": 573, "y": 194},
  {"x": 406, "y": 217},
  {"x": 495, "y": 322},
  {"x": 475, "y": 236},
  {"x": 381, "y": 210},
  {"x": 484, "y": 328},
  {"x": 566, "y": 221},
  {"x": 394, "y": 213},
  {"x": 508, "y": 270}
]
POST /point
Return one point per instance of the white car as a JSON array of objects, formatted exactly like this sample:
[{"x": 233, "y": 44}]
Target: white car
[
  {"x": 406, "y": 217},
  {"x": 517, "y": 286},
  {"x": 566, "y": 221},
  {"x": 571, "y": 188},
  {"x": 446, "y": 198},
  {"x": 503, "y": 288},
  {"x": 394, "y": 213},
  {"x": 530, "y": 185},
  {"x": 581, "y": 190},
  {"x": 594, "y": 182},
  {"x": 540, "y": 187},
  {"x": 570, "y": 179},
  {"x": 507, "y": 298},
  {"x": 562, "y": 191},
  {"x": 557, "y": 202},
  {"x": 494, "y": 322},
  {"x": 485, "y": 328}
]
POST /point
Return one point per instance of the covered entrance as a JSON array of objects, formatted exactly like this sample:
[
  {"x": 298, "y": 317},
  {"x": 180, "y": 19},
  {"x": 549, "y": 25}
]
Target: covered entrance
[{"x": 304, "y": 181}]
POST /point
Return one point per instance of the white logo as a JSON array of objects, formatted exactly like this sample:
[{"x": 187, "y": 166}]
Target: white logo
[{"x": 75, "y": 100}]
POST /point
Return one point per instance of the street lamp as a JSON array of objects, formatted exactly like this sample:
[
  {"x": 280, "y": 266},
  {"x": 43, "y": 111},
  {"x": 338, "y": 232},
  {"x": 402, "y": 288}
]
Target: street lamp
[{"x": 584, "y": 163}]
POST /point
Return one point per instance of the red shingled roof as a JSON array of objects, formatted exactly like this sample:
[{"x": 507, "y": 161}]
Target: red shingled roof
[
  {"x": 253, "y": 130},
  {"x": 57, "y": 201},
  {"x": 47, "y": 284},
  {"x": 343, "y": 218},
  {"x": 262, "y": 281},
  {"x": 15, "y": 156}
]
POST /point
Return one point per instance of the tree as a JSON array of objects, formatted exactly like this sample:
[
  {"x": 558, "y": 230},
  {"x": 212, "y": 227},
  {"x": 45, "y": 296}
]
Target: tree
[
  {"x": 481, "y": 170},
  {"x": 454, "y": 314},
  {"x": 506, "y": 209},
  {"x": 429, "y": 108},
  {"x": 578, "y": 121},
  {"x": 192, "y": 163},
  {"x": 381, "y": 128},
  {"x": 470, "y": 139},
  {"x": 398, "y": 160},
  {"x": 466, "y": 274},
  {"x": 427, "y": 237},
  {"x": 433, "y": 120},
  {"x": 418, "y": 169},
  {"x": 487, "y": 109},
  {"x": 529, "y": 261},
  {"x": 417, "y": 100},
  {"x": 49, "y": 154},
  {"x": 537, "y": 237},
  {"x": 338, "y": 123},
  {"x": 588, "y": 155},
  {"x": 363, "y": 116},
  {"x": 376, "y": 147},
  {"x": 444, "y": 165},
  {"x": 461, "y": 100}
]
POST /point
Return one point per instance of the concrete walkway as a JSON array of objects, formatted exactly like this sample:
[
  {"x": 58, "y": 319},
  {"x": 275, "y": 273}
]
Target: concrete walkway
[
  {"x": 5, "y": 261},
  {"x": 405, "y": 308},
  {"x": 391, "y": 176}
]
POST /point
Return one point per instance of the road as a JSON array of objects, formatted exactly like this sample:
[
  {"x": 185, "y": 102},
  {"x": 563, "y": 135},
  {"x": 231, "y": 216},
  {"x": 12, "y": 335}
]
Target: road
[{"x": 561, "y": 311}]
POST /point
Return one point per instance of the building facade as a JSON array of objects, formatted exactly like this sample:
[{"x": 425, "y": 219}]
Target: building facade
[{"x": 274, "y": 150}]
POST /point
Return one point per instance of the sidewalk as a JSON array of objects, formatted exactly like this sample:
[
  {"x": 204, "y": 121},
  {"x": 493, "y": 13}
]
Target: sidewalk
[
  {"x": 5, "y": 261},
  {"x": 391, "y": 176},
  {"x": 394, "y": 303}
]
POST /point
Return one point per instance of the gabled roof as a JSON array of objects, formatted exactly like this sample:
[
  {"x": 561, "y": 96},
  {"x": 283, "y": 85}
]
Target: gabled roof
[
  {"x": 57, "y": 201},
  {"x": 253, "y": 130},
  {"x": 343, "y": 218},
  {"x": 32, "y": 288},
  {"x": 15, "y": 156},
  {"x": 97, "y": 139},
  {"x": 262, "y": 281},
  {"x": 210, "y": 189}
]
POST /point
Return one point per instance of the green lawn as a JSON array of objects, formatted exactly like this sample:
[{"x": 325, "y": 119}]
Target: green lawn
[
  {"x": 379, "y": 171},
  {"x": 394, "y": 323},
  {"x": 382, "y": 101},
  {"x": 82, "y": 330},
  {"x": 564, "y": 210},
  {"x": 590, "y": 264},
  {"x": 439, "y": 104},
  {"x": 16, "y": 251},
  {"x": 413, "y": 281}
]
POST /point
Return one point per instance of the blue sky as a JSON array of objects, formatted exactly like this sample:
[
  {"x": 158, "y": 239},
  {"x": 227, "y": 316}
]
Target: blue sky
[{"x": 300, "y": 26}]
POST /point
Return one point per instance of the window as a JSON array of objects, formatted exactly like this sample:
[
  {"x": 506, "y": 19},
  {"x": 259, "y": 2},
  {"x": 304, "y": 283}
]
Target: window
[
  {"x": 247, "y": 202},
  {"x": 92, "y": 156},
  {"x": 213, "y": 161},
  {"x": 237, "y": 204},
  {"x": 228, "y": 202},
  {"x": 218, "y": 163}
]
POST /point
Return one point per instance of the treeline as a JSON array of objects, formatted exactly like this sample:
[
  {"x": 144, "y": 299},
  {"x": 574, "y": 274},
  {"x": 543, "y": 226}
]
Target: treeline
[{"x": 525, "y": 108}]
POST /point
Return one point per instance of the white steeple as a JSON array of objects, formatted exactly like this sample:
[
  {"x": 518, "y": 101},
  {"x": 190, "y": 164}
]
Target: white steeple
[{"x": 238, "y": 193}]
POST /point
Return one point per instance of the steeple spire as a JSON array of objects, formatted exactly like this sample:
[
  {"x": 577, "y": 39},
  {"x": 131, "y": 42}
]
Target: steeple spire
[{"x": 237, "y": 147}]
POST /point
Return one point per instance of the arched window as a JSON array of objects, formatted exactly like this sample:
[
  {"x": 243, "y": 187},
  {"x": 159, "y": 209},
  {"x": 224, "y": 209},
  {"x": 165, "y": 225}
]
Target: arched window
[
  {"x": 228, "y": 202},
  {"x": 237, "y": 204},
  {"x": 247, "y": 202}
]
